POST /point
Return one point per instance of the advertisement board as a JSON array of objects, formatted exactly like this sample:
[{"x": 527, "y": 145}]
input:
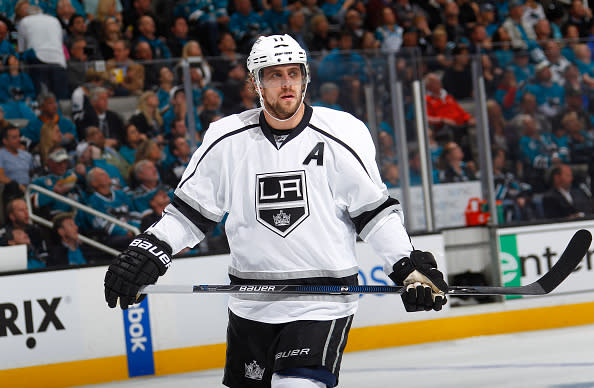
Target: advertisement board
[
  {"x": 139, "y": 342},
  {"x": 56, "y": 316},
  {"x": 527, "y": 253}
]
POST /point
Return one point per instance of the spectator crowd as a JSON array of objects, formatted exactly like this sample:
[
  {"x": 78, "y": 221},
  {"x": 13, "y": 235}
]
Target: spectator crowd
[{"x": 64, "y": 63}]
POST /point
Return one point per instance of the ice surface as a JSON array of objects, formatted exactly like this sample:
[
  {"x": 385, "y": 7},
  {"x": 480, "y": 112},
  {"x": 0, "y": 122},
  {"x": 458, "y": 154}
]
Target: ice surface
[{"x": 549, "y": 358}]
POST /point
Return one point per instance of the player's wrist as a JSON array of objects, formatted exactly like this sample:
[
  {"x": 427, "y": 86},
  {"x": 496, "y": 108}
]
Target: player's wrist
[{"x": 400, "y": 271}]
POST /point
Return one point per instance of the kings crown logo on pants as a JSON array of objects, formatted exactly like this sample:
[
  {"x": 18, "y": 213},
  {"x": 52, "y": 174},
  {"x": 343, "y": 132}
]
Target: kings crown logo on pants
[
  {"x": 253, "y": 371},
  {"x": 281, "y": 201}
]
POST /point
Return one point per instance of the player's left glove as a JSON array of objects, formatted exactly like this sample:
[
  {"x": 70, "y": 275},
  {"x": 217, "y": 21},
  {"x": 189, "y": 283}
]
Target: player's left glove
[
  {"x": 145, "y": 259},
  {"x": 425, "y": 287}
]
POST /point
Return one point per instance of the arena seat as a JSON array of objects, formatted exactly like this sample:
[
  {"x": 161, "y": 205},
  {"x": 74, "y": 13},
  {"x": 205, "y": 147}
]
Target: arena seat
[
  {"x": 468, "y": 106},
  {"x": 124, "y": 106},
  {"x": 19, "y": 123},
  {"x": 14, "y": 258},
  {"x": 65, "y": 108}
]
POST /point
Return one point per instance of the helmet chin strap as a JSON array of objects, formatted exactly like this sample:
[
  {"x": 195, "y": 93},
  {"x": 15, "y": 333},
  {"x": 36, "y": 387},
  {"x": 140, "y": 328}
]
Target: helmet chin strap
[{"x": 270, "y": 114}]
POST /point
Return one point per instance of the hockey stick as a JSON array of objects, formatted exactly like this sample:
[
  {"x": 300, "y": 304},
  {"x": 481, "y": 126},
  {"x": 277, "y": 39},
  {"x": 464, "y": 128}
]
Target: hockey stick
[{"x": 573, "y": 254}]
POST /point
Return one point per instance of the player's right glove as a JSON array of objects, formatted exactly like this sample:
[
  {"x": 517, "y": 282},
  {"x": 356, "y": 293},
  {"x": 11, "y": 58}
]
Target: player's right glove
[
  {"x": 425, "y": 287},
  {"x": 145, "y": 259}
]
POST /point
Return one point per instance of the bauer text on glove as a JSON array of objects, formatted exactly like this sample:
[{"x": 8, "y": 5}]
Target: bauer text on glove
[{"x": 145, "y": 259}]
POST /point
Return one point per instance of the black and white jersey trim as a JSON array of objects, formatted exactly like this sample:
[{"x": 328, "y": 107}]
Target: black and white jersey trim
[
  {"x": 173, "y": 211},
  {"x": 373, "y": 216},
  {"x": 192, "y": 202},
  {"x": 368, "y": 207},
  {"x": 211, "y": 147},
  {"x": 380, "y": 216},
  {"x": 201, "y": 222}
]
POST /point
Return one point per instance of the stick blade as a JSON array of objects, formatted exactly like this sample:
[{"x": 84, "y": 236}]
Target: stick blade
[{"x": 571, "y": 257}]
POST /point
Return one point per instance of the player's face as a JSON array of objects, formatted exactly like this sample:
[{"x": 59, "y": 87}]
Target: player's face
[{"x": 282, "y": 88}]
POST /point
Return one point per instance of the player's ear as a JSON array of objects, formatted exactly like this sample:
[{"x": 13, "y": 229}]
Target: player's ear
[{"x": 252, "y": 83}]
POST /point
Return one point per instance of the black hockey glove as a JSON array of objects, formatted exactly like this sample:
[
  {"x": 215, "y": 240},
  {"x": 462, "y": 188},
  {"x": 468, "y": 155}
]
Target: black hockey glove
[
  {"x": 145, "y": 259},
  {"x": 425, "y": 287}
]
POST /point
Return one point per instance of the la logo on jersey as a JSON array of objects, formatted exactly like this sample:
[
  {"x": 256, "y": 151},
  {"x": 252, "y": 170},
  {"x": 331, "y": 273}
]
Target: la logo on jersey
[{"x": 281, "y": 201}]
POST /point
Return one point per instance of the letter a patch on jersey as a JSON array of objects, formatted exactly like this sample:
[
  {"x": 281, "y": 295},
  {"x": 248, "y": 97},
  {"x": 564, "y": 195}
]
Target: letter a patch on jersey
[
  {"x": 316, "y": 153},
  {"x": 281, "y": 201}
]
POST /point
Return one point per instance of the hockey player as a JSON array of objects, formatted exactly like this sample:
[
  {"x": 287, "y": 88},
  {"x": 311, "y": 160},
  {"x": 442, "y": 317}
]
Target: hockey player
[{"x": 298, "y": 184}]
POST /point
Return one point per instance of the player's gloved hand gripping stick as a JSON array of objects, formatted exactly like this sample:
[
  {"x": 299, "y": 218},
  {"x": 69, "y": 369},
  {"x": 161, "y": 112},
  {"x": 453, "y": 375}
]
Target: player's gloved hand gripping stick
[
  {"x": 145, "y": 259},
  {"x": 424, "y": 287},
  {"x": 570, "y": 258}
]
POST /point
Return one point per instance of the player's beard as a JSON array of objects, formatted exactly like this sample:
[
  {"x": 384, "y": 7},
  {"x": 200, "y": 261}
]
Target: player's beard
[{"x": 283, "y": 110}]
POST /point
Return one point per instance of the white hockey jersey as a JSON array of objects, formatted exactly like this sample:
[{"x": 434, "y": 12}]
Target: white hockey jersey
[{"x": 294, "y": 208}]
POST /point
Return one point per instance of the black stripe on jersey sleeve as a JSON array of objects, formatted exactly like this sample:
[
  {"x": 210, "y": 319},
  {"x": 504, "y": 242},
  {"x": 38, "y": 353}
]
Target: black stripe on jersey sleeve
[
  {"x": 215, "y": 143},
  {"x": 363, "y": 219},
  {"x": 351, "y": 280},
  {"x": 352, "y": 151},
  {"x": 203, "y": 223}
]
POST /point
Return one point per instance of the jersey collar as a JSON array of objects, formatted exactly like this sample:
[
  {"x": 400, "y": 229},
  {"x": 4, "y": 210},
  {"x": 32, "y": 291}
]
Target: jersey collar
[{"x": 267, "y": 130}]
